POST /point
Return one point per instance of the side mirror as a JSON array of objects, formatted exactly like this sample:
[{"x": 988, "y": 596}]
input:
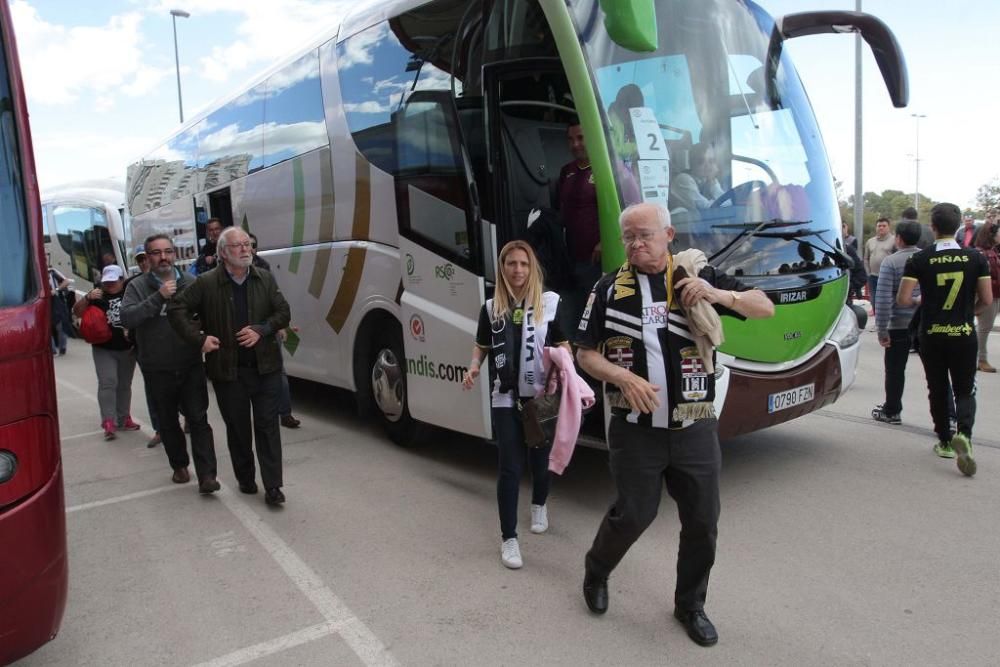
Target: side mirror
[
  {"x": 883, "y": 44},
  {"x": 631, "y": 24}
]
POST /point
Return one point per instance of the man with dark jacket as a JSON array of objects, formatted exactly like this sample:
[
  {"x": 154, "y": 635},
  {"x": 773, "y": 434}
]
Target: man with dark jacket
[
  {"x": 207, "y": 259},
  {"x": 240, "y": 310},
  {"x": 171, "y": 366}
]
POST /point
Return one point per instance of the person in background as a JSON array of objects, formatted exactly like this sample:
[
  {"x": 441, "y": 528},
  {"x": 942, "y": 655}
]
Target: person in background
[
  {"x": 172, "y": 367},
  {"x": 207, "y": 256},
  {"x": 114, "y": 361},
  {"x": 285, "y": 415},
  {"x": 966, "y": 234},
  {"x": 240, "y": 311},
  {"x": 858, "y": 276},
  {"x": 578, "y": 214},
  {"x": 892, "y": 322},
  {"x": 514, "y": 326},
  {"x": 954, "y": 286},
  {"x": 877, "y": 249},
  {"x": 697, "y": 188},
  {"x": 849, "y": 239},
  {"x": 635, "y": 335},
  {"x": 60, "y": 313},
  {"x": 986, "y": 242},
  {"x": 142, "y": 261}
]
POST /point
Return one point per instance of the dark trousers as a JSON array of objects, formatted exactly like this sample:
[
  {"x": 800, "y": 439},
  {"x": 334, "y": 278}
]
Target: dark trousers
[
  {"x": 511, "y": 455},
  {"x": 154, "y": 421},
  {"x": 262, "y": 393},
  {"x": 896, "y": 356},
  {"x": 185, "y": 391},
  {"x": 955, "y": 358},
  {"x": 641, "y": 459}
]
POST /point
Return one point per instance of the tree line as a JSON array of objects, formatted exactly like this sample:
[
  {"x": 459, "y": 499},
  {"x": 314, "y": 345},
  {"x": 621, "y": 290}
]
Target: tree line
[{"x": 891, "y": 203}]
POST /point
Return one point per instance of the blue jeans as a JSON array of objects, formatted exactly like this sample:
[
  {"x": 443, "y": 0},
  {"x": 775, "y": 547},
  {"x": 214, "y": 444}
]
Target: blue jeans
[{"x": 511, "y": 455}]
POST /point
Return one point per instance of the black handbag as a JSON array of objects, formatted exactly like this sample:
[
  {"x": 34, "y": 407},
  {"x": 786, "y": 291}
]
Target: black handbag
[{"x": 538, "y": 414}]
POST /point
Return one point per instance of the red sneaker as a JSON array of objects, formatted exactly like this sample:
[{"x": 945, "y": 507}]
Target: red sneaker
[
  {"x": 129, "y": 425},
  {"x": 109, "y": 429}
]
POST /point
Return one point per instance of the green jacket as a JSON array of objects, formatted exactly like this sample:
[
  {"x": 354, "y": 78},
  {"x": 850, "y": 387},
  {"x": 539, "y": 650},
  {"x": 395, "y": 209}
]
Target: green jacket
[{"x": 210, "y": 297}]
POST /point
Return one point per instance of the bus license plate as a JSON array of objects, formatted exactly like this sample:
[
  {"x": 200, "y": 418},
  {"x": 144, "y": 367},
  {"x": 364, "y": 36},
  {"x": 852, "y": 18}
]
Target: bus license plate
[{"x": 791, "y": 397}]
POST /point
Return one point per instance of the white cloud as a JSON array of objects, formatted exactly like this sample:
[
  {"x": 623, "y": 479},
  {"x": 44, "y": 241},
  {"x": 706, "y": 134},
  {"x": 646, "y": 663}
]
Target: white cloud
[
  {"x": 369, "y": 106},
  {"x": 62, "y": 64},
  {"x": 266, "y": 31}
]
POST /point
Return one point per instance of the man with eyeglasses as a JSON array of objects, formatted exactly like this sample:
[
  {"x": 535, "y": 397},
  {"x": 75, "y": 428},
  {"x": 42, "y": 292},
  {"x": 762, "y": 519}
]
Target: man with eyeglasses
[
  {"x": 636, "y": 337},
  {"x": 172, "y": 367},
  {"x": 240, "y": 312}
]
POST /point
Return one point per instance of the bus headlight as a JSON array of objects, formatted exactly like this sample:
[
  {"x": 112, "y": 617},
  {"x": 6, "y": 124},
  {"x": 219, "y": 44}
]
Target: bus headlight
[
  {"x": 846, "y": 332},
  {"x": 8, "y": 465}
]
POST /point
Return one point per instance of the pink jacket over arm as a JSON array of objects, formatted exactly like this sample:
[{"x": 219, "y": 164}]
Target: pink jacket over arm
[{"x": 576, "y": 396}]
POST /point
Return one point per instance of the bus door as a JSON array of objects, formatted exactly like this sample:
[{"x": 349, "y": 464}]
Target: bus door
[{"x": 441, "y": 262}]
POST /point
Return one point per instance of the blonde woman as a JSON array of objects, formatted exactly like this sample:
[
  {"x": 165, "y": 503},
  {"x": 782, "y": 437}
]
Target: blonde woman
[{"x": 514, "y": 326}]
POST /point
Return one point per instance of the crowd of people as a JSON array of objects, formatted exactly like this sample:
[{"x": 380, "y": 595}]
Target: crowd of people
[
  {"x": 939, "y": 300},
  {"x": 647, "y": 330},
  {"x": 224, "y": 321}
]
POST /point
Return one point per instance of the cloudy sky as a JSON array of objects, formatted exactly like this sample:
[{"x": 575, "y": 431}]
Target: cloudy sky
[{"x": 101, "y": 83}]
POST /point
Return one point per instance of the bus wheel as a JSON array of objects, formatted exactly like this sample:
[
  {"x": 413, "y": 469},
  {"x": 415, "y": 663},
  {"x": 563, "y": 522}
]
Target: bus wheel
[{"x": 388, "y": 388}]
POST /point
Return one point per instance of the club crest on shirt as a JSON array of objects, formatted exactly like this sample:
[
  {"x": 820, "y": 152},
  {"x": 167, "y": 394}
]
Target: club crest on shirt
[
  {"x": 618, "y": 350},
  {"x": 694, "y": 379}
]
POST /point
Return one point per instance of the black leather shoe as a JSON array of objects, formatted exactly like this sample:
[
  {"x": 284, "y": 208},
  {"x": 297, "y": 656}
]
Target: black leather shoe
[
  {"x": 249, "y": 488},
  {"x": 699, "y": 628},
  {"x": 274, "y": 496},
  {"x": 288, "y": 421},
  {"x": 208, "y": 485},
  {"x": 595, "y": 592}
]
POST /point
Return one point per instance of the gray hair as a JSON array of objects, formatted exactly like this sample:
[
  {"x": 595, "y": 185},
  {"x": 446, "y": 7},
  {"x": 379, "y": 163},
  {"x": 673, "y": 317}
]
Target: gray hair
[
  {"x": 662, "y": 214},
  {"x": 224, "y": 237}
]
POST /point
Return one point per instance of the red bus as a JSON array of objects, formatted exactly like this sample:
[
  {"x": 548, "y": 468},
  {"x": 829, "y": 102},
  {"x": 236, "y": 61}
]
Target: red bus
[{"x": 33, "y": 568}]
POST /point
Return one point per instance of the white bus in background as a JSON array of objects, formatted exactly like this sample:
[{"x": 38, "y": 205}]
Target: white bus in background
[
  {"x": 384, "y": 166},
  {"x": 85, "y": 229}
]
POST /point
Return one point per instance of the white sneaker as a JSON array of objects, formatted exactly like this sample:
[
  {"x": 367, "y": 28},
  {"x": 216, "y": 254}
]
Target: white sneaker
[
  {"x": 539, "y": 519},
  {"x": 510, "y": 554}
]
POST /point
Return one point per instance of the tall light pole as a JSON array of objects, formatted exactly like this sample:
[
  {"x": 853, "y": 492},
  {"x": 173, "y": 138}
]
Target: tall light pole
[
  {"x": 174, "y": 13},
  {"x": 859, "y": 197},
  {"x": 916, "y": 162}
]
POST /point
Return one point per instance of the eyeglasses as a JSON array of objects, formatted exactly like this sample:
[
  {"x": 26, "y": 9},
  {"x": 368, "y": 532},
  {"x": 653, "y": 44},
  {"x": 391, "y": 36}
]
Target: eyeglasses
[
  {"x": 157, "y": 253},
  {"x": 644, "y": 236},
  {"x": 245, "y": 244}
]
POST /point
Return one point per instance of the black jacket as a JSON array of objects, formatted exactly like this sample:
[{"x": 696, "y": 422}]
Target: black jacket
[
  {"x": 211, "y": 298},
  {"x": 144, "y": 311}
]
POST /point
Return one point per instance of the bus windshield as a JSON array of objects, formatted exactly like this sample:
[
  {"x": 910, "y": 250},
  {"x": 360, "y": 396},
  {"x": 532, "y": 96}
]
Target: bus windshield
[{"x": 743, "y": 172}]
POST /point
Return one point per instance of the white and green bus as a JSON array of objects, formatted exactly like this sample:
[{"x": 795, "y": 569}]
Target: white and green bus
[{"x": 383, "y": 167}]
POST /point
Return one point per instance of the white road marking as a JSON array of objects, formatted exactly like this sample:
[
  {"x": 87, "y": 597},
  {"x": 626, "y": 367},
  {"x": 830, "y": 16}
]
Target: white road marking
[
  {"x": 125, "y": 498},
  {"x": 79, "y": 390},
  {"x": 257, "y": 651},
  {"x": 339, "y": 617},
  {"x": 358, "y": 636},
  {"x": 80, "y": 435}
]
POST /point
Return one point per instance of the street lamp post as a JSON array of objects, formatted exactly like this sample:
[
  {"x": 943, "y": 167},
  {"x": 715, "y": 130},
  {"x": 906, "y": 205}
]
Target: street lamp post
[
  {"x": 916, "y": 162},
  {"x": 174, "y": 13}
]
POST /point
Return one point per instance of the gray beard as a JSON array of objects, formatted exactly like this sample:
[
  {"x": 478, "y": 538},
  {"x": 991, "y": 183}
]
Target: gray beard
[{"x": 164, "y": 273}]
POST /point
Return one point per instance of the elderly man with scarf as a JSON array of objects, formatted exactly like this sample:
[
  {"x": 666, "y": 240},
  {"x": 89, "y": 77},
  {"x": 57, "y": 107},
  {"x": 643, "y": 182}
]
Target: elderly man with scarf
[{"x": 639, "y": 336}]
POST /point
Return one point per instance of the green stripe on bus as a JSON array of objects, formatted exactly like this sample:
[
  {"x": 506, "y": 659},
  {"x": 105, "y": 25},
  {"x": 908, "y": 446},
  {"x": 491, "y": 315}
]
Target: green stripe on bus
[
  {"x": 578, "y": 75},
  {"x": 299, "y": 226},
  {"x": 791, "y": 333}
]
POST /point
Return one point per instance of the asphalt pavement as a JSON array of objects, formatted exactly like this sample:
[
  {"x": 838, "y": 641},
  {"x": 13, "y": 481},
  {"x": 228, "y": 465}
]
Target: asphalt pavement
[{"x": 842, "y": 542}]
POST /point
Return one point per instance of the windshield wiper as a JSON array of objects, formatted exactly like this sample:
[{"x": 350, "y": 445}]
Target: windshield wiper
[
  {"x": 752, "y": 229},
  {"x": 840, "y": 258}
]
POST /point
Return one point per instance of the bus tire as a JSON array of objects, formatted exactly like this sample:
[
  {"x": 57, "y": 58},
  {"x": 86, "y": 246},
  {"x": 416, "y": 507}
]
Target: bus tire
[{"x": 386, "y": 387}]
